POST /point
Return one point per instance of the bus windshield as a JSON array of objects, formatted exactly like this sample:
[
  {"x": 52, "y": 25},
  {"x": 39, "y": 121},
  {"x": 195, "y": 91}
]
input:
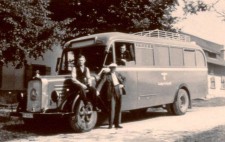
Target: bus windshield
[{"x": 94, "y": 55}]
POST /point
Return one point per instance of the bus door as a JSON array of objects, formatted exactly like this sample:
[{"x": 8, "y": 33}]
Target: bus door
[
  {"x": 147, "y": 81},
  {"x": 125, "y": 59}
]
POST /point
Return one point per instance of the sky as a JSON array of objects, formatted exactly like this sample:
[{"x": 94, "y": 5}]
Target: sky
[{"x": 206, "y": 25}]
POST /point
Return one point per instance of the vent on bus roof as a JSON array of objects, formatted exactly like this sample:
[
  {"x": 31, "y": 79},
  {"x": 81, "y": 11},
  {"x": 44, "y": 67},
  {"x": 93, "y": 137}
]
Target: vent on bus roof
[{"x": 164, "y": 34}]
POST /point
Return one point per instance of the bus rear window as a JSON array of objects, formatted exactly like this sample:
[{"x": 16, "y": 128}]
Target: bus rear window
[
  {"x": 200, "y": 60},
  {"x": 189, "y": 58}
]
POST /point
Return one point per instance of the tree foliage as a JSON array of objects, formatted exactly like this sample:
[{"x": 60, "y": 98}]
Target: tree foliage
[
  {"x": 194, "y": 7},
  {"x": 25, "y": 30},
  {"x": 28, "y": 28},
  {"x": 94, "y": 16}
]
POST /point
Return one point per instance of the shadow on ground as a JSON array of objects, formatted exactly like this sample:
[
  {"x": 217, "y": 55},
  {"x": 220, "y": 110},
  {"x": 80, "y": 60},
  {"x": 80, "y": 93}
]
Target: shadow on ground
[{"x": 213, "y": 102}]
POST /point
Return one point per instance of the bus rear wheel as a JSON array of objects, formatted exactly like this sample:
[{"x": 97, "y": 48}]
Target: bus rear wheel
[
  {"x": 84, "y": 118},
  {"x": 181, "y": 103}
]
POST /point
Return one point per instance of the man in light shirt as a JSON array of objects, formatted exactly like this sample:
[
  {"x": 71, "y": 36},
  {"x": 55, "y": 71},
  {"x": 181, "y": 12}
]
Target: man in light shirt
[
  {"x": 81, "y": 79},
  {"x": 114, "y": 89}
]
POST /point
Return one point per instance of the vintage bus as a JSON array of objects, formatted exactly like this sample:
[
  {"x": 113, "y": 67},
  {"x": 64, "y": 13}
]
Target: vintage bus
[{"x": 164, "y": 70}]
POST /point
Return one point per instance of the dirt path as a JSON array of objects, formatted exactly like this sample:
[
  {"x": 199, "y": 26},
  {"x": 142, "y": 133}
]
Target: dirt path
[{"x": 158, "y": 128}]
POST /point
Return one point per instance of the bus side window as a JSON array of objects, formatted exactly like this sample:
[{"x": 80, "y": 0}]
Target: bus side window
[
  {"x": 124, "y": 53},
  {"x": 176, "y": 57},
  {"x": 161, "y": 53},
  {"x": 144, "y": 56}
]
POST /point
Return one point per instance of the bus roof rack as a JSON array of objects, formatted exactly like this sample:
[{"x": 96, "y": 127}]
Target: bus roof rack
[{"x": 165, "y": 35}]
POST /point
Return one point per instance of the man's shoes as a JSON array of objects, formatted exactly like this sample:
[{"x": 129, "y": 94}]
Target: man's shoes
[
  {"x": 110, "y": 127},
  {"x": 119, "y": 127}
]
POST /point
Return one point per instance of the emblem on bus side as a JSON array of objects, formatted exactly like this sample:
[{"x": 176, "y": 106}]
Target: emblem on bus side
[
  {"x": 164, "y": 74},
  {"x": 164, "y": 82}
]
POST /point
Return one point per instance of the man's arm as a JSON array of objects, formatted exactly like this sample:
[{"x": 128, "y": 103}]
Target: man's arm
[
  {"x": 121, "y": 78},
  {"x": 101, "y": 83}
]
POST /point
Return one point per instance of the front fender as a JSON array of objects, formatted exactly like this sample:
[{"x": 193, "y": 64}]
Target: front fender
[{"x": 70, "y": 103}]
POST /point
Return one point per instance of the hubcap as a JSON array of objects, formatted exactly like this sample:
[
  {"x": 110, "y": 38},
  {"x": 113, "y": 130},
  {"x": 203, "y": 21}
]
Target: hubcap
[
  {"x": 85, "y": 113},
  {"x": 183, "y": 103}
]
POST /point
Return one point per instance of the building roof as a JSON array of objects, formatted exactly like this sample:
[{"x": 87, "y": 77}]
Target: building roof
[
  {"x": 216, "y": 61},
  {"x": 210, "y": 47},
  {"x": 207, "y": 45}
]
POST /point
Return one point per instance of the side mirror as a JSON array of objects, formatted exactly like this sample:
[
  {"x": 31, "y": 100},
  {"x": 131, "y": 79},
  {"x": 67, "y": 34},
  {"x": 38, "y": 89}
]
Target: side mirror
[{"x": 57, "y": 64}]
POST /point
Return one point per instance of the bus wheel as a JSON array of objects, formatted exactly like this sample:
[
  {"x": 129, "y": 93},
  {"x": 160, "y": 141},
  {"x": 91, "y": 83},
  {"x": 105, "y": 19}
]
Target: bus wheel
[
  {"x": 84, "y": 118},
  {"x": 181, "y": 103}
]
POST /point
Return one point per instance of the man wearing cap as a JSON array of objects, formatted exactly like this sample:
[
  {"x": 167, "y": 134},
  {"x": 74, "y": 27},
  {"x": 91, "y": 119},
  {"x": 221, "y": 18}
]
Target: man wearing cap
[{"x": 114, "y": 89}]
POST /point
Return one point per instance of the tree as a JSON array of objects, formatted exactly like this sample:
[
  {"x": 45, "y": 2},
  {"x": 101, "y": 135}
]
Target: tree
[
  {"x": 28, "y": 28},
  {"x": 194, "y": 7},
  {"x": 94, "y": 16},
  {"x": 25, "y": 30}
]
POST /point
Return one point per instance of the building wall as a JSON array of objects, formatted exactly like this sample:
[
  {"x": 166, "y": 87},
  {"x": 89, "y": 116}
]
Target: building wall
[
  {"x": 13, "y": 81},
  {"x": 216, "y": 80},
  {"x": 49, "y": 59},
  {"x": 12, "y": 78}
]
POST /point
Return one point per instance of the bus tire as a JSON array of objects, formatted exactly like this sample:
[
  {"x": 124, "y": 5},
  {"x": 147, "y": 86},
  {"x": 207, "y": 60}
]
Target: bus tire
[
  {"x": 181, "y": 103},
  {"x": 84, "y": 118}
]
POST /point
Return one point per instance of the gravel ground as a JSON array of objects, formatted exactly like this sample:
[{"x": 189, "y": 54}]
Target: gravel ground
[{"x": 15, "y": 130}]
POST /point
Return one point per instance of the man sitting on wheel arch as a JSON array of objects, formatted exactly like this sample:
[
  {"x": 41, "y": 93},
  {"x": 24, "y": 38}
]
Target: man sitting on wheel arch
[{"x": 81, "y": 79}]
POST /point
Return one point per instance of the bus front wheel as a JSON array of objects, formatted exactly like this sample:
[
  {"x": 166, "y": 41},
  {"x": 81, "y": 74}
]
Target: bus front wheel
[
  {"x": 84, "y": 118},
  {"x": 181, "y": 103}
]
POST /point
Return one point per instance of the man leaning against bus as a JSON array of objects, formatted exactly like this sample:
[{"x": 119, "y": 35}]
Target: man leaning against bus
[
  {"x": 81, "y": 80},
  {"x": 114, "y": 89}
]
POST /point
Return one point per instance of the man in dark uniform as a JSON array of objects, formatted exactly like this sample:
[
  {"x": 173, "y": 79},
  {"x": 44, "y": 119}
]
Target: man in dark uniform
[
  {"x": 124, "y": 55},
  {"x": 114, "y": 89},
  {"x": 81, "y": 79}
]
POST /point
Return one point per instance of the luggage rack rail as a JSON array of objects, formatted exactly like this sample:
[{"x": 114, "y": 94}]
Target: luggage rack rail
[{"x": 165, "y": 35}]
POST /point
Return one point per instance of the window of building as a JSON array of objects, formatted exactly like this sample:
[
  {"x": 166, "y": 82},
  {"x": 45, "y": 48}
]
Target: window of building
[
  {"x": 212, "y": 83},
  {"x": 223, "y": 82},
  {"x": 211, "y": 55}
]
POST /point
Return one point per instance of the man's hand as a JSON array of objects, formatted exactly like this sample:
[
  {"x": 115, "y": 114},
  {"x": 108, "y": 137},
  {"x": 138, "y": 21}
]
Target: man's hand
[
  {"x": 121, "y": 85},
  {"x": 84, "y": 86},
  {"x": 97, "y": 93},
  {"x": 124, "y": 60}
]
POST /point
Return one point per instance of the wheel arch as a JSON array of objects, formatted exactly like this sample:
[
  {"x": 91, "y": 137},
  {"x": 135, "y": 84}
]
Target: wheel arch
[{"x": 75, "y": 102}]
